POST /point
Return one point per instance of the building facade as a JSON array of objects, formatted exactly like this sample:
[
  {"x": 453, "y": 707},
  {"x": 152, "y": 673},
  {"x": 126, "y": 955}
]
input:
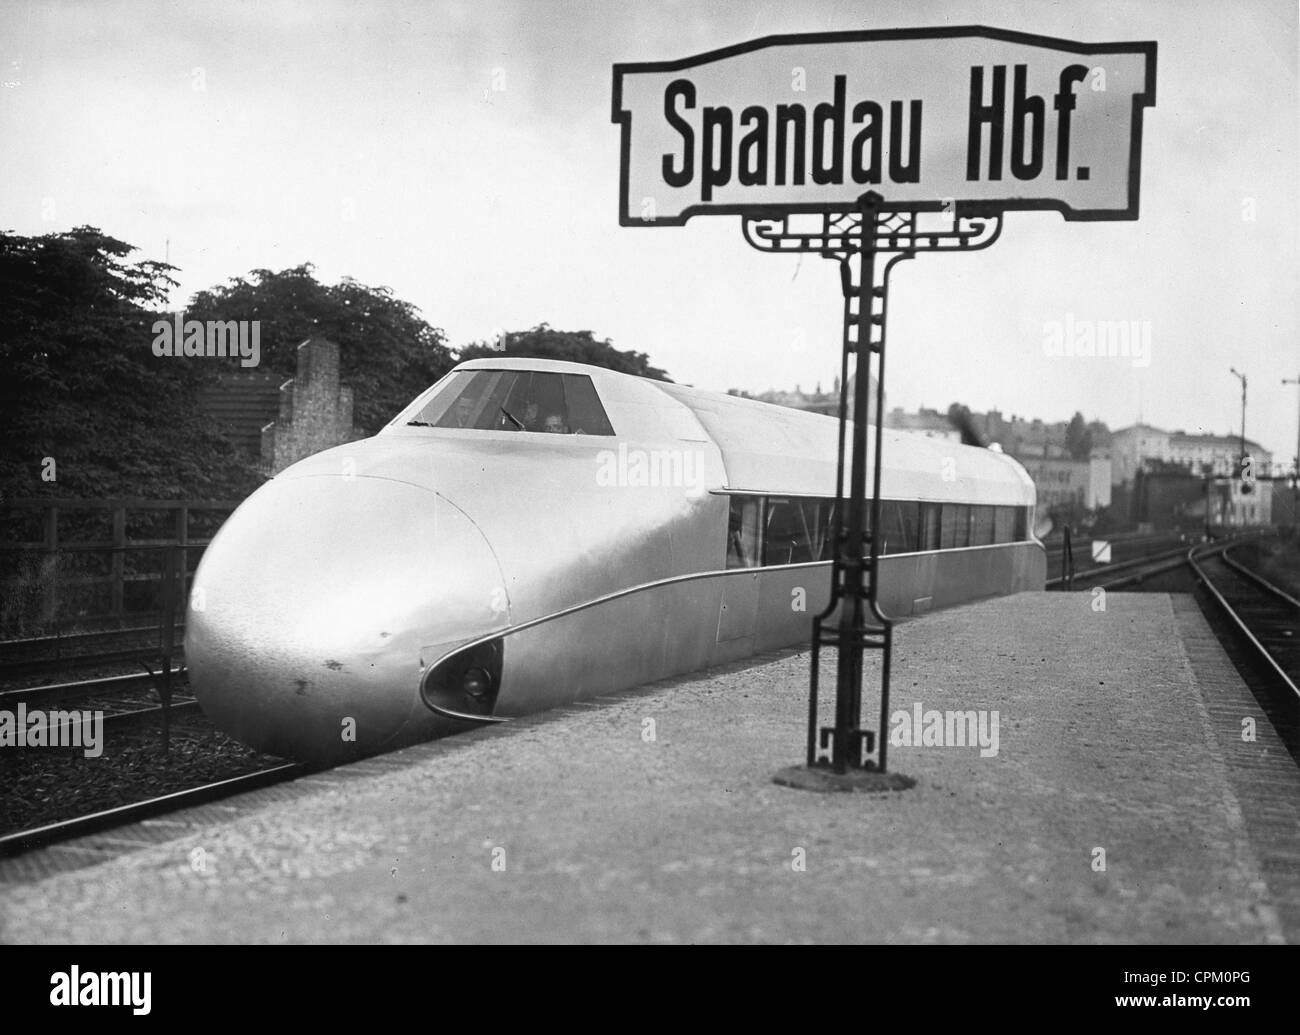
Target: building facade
[
  {"x": 1069, "y": 484},
  {"x": 1149, "y": 452},
  {"x": 278, "y": 422},
  {"x": 930, "y": 423}
]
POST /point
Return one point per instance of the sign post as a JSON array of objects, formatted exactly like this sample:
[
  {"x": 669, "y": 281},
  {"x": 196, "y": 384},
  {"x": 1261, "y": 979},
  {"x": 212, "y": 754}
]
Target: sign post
[{"x": 862, "y": 145}]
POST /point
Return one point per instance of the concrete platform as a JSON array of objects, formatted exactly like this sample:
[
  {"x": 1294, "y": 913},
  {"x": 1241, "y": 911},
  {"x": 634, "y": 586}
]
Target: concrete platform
[{"x": 1118, "y": 731}]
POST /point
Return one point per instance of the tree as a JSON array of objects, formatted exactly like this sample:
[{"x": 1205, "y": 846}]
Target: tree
[
  {"x": 387, "y": 352},
  {"x": 544, "y": 342},
  {"x": 1078, "y": 438},
  {"x": 82, "y": 386}
]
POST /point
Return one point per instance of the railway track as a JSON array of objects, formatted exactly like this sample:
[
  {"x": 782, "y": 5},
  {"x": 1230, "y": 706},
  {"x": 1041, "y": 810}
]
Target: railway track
[
  {"x": 132, "y": 719},
  {"x": 1129, "y": 551},
  {"x": 1257, "y": 622},
  {"x": 51, "y": 693},
  {"x": 1135, "y": 570},
  {"x": 1265, "y": 624},
  {"x": 118, "y": 697},
  {"x": 58, "y": 642},
  {"x": 51, "y": 833},
  {"x": 58, "y": 654}
]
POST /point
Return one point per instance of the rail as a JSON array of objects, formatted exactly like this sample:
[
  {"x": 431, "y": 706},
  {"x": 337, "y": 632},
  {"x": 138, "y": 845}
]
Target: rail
[
  {"x": 36, "y": 837},
  {"x": 1263, "y": 652},
  {"x": 158, "y": 662}
]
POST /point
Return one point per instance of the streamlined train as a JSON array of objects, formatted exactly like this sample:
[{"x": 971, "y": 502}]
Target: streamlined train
[{"x": 527, "y": 533}]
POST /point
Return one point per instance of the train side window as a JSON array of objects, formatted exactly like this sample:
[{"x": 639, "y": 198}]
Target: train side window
[
  {"x": 824, "y": 547},
  {"x": 898, "y": 521},
  {"x": 954, "y": 526},
  {"x": 1004, "y": 524},
  {"x": 794, "y": 534},
  {"x": 828, "y": 518},
  {"x": 744, "y": 528},
  {"x": 981, "y": 525},
  {"x": 929, "y": 531},
  {"x": 909, "y": 525},
  {"x": 889, "y": 527}
]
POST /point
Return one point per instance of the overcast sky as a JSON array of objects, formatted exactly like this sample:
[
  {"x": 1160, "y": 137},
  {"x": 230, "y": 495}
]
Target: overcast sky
[{"x": 462, "y": 154}]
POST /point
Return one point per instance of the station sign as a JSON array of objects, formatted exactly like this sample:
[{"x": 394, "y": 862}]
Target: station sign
[{"x": 974, "y": 120}]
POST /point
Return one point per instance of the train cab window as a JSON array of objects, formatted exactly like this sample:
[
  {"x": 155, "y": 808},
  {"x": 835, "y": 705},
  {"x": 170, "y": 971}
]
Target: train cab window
[
  {"x": 517, "y": 400},
  {"x": 447, "y": 391},
  {"x": 744, "y": 532},
  {"x": 586, "y": 414},
  {"x": 797, "y": 531},
  {"x": 1022, "y": 523}
]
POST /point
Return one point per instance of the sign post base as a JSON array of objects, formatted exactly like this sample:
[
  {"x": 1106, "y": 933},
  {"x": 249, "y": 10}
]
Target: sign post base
[{"x": 825, "y": 780}]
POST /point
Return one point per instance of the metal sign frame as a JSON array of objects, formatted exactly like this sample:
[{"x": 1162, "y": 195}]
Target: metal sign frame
[{"x": 973, "y": 207}]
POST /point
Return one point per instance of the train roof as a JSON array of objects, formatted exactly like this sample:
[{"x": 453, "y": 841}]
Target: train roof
[
  {"x": 772, "y": 449},
  {"x": 775, "y": 450}
]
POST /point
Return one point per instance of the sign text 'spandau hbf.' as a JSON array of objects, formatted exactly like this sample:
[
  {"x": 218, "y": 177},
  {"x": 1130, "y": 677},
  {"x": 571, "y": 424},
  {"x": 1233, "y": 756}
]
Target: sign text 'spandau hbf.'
[{"x": 980, "y": 118}]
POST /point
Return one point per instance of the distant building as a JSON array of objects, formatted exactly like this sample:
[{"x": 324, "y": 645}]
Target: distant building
[
  {"x": 816, "y": 401},
  {"x": 1066, "y": 484},
  {"x": 1221, "y": 452},
  {"x": 1130, "y": 446},
  {"x": 1065, "y": 487},
  {"x": 930, "y": 423},
  {"x": 1022, "y": 437},
  {"x": 1153, "y": 452},
  {"x": 279, "y": 422}
]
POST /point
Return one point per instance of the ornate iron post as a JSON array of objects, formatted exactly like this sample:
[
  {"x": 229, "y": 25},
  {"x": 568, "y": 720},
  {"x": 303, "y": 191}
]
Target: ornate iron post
[{"x": 839, "y": 756}]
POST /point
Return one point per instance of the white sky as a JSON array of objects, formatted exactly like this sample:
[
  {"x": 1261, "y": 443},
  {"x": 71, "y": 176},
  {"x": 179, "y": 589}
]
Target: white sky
[{"x": 367, "y": 139}]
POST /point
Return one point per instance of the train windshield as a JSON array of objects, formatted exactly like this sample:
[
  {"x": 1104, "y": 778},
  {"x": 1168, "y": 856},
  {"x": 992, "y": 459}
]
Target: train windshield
[{"x": 515, "y": 400}]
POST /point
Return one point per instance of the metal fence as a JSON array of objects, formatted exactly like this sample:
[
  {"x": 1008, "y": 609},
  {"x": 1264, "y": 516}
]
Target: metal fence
[{"x": 80, "y": 561}]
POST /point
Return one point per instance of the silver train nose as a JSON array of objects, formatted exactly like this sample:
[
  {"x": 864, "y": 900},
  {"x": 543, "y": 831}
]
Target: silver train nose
[{"x": 311, "y": 608}]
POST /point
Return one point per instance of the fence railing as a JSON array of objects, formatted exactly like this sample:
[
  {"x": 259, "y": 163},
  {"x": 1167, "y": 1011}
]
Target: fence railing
[{"x": 66, "y": 569}]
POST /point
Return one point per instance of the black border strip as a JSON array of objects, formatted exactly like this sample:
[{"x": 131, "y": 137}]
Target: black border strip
[{"x": 965, "y": 207}]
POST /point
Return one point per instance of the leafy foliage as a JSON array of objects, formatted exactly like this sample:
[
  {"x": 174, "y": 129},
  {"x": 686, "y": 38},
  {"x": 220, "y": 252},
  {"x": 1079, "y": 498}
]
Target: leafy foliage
[
  {"x": 83, "y": 387},
  {"x": 544, "y": 342},
  {"x": 1078, "y": 438},
  {"x": 387, "y": 352}
]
